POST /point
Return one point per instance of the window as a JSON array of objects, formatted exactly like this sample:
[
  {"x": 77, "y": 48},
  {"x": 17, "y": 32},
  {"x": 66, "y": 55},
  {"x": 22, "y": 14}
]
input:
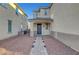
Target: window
[
  {"x": 9, "y": 26},
  {"x": 46, "y": 12}
]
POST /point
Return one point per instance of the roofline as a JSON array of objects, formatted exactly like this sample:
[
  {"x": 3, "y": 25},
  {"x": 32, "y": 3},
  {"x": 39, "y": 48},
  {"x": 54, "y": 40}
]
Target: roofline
[
  {"x": 16, "y": 5},
  {"x": 50, "y": 5},
  {"x": 20, "y": 8},
  {"x": 44, "y": 7}
]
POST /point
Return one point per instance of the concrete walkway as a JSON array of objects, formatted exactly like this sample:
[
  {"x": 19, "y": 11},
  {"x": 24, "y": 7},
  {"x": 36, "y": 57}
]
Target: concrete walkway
[{"x": 38, "y": 47}]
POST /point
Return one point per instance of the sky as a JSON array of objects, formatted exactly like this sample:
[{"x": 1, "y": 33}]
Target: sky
[{"x": 29, "y": 7}]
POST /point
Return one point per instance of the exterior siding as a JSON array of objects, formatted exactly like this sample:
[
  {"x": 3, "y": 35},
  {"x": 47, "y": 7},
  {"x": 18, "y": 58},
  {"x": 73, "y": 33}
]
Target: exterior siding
[
  {"x": 42, "y": 11},
  {"x": 44, "y": 30},
  {"x": 66, "y": 17},
  {"x": 9, "y": 14},
  {"x": 66, "y": 21}
]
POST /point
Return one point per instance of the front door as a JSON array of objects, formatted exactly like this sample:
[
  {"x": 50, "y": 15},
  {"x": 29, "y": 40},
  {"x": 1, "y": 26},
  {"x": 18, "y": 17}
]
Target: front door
[{"x": 39, "y": 29}]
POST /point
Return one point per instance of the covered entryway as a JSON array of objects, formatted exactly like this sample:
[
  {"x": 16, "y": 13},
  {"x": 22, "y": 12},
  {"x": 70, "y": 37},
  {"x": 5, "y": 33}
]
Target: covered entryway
[{"x": 41, "y": 26}]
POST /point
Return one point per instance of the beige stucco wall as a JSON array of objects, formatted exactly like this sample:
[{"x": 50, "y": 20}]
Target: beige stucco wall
[
  {"x": 66, "y": 21},
  {"x": 23, "y": 20},
  {"x": 31, "y": 29},
  {"x": 5, "y": 15},
  {"x": 66, "y": 17},
  {"x": 42, "y": 11},
  {"x": 44, "y": 30}
]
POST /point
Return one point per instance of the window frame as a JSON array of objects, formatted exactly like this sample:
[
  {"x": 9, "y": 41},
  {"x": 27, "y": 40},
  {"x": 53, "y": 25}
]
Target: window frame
[
  {"x": 45, "y": 12},
  {"x": 9, "y": 26}
]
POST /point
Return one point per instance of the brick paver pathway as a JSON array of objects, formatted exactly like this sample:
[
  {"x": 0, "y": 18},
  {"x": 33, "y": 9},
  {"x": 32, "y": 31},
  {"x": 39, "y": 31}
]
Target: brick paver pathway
[
  {"x": 39, "y": 47},
  {"x": 20, "y": 44},
  {"x": 23, "y": 45},
  {"x": 55, "y": 47}
]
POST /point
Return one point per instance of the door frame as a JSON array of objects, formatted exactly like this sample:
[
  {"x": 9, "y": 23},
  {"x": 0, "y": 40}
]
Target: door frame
[{"x": 40, "y": 28}]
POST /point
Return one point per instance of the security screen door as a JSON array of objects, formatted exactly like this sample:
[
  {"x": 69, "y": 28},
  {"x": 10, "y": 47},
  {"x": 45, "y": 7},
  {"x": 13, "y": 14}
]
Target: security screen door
[{"x": 39, "y": 28}]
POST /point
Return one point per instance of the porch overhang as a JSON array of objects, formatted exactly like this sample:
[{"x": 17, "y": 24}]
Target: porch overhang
[{"x": 42, "y": 20}]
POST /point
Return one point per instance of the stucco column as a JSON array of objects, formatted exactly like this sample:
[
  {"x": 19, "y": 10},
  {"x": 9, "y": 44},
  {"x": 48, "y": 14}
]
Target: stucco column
[{"x": 31, "y": 30}]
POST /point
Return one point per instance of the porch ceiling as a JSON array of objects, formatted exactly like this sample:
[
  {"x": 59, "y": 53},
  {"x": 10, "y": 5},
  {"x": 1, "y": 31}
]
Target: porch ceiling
[{"x": 42, "y": 20}]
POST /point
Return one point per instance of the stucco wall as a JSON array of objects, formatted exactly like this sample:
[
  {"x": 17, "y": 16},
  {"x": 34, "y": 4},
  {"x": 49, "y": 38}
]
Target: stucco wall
[
  {"x": 44, "y": 30},
  {"x": 5, "y": 15},
  {"x": 31, "y": 29},
  {"x": 42, "y": 11},
  {"x": 66, "y": 21},
  {"x": 66, "y": 17}
]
